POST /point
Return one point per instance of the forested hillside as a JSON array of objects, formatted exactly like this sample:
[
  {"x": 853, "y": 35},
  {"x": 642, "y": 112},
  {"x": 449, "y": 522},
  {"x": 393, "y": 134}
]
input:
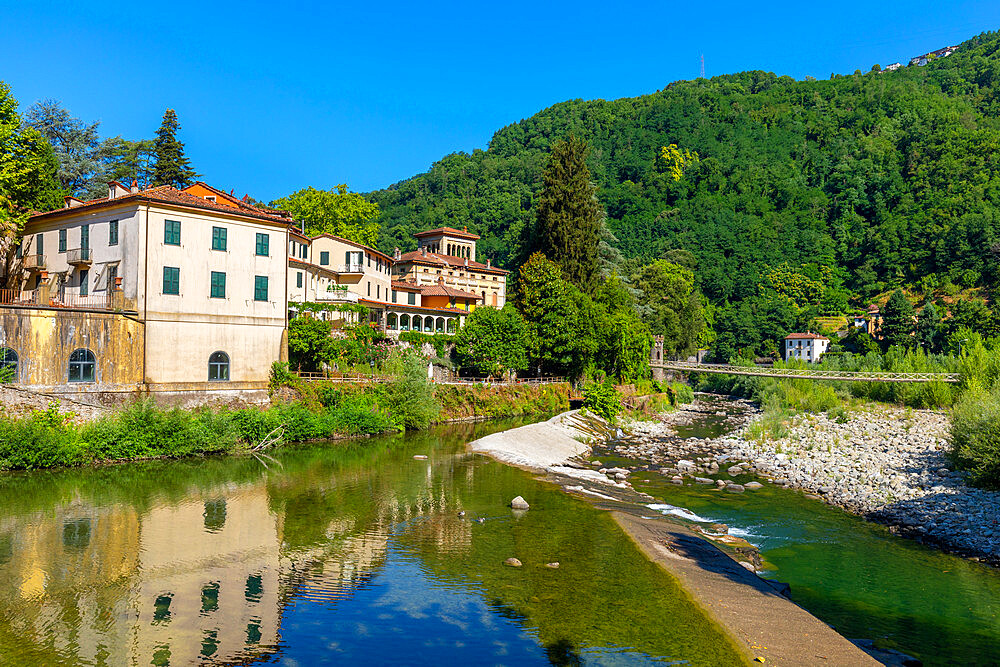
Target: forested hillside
[{"x": 826, "y": 193}]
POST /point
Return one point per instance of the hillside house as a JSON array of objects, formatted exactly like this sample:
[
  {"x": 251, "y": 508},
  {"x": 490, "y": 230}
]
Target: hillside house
[{"x": 805, "y": 346}]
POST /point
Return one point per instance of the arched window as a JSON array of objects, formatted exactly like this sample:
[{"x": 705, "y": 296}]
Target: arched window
[
  {"x": 82, "y": 366},
  {"x": 451, "y": 325},
  {"x": 429, "y": 324},
  {"x": 404, "y": 322},
  {"x": 218, "y": 367},
  {"x": 8, "y": 363},
  {"x": 440, "y": 325},
  {"x": 390, "y": 321}
]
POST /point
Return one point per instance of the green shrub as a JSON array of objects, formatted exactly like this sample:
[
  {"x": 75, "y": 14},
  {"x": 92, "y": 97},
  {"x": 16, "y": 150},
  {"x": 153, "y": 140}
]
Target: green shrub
[
  {"x": 683, "y": 393},
  {"x": 975, "y": 436},
  {"x": 603, "y": 399}
]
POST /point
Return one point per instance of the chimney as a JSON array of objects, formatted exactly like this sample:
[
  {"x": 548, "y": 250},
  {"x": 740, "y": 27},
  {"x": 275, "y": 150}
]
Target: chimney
[
  {"x": 440, "y": 280},
  {"x": 423, "y": 250},
  {"x": 489, "y": 263},
  {"x": 135, "y": 186},
  {"x": 467, "y": 261},
  {"x": 116, "y": 190},
  {"x": 396, "y": 254}
]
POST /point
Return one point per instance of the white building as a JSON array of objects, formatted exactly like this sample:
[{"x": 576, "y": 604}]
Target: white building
[{"x": 805, "y": 346}]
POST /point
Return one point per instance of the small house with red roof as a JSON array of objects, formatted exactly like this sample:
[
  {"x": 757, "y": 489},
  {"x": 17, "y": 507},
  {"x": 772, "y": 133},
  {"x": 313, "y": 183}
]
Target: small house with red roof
[{"x": 805, "y": 346}]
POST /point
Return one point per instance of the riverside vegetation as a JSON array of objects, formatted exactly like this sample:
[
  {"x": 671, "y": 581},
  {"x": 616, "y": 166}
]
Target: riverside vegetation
[{"x": 300, "y": 412}]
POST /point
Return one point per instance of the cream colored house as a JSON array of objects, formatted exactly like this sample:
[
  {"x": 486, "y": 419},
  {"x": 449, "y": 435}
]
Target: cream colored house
[
  {"x": 449, "y": 255},
  {"x": 155, "y": 291},
  {"x": 805, "y": 346}
]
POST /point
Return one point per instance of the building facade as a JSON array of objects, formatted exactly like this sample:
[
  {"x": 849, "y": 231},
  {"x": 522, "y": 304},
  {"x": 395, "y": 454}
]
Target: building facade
[
  {"x": 156, "y": 290},
  {"x": 805, "y": 346}
]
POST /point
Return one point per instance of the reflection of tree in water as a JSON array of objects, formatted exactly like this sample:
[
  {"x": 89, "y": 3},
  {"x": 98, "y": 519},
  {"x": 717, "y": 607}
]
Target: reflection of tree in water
[{"x": 563, "y": 653}]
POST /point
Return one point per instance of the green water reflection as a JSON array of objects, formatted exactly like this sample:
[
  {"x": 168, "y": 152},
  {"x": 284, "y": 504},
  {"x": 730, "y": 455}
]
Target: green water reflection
[{"x": 221, "y": 560}]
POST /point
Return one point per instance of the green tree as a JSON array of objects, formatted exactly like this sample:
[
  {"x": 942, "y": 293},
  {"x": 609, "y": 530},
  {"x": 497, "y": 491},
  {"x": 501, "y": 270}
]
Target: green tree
[
  {"x": 928, "y": 332},
  {"x": 897, "y": 321},
  {"x": 546, "y": 302},
  {"x": 493, "y": 342},
  {"x": 671, "y": 304},
  {"x": 309, "y": 343},
  {"x": 335, "y": 211},
  {"x": 569, "y": 216},
  {"x": 76, "y": 145},
  {"x": 171, "y": 167},
  {"x": 124, "y": 160}
]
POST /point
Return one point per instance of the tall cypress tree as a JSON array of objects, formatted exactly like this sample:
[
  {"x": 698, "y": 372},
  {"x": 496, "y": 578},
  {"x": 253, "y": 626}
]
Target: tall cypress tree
[
  {"x": 171, "y": 167},
  {"x": 568, "y": 214},
  {"x": 897, "y": 321}
]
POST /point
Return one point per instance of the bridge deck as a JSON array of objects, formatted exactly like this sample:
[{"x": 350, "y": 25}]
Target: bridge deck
[{"x": 808, "y": 374}]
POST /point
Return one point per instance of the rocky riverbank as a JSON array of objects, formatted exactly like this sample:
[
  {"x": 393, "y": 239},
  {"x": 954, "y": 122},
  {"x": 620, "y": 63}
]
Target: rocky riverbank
[{"x": 886, "y": 463}]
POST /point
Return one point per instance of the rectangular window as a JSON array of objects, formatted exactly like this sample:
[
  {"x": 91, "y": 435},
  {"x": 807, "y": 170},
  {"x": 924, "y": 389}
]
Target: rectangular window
[
  {"x": 394, "y": 296},
  {"x": 19, "y": 249},
  {"x": 303, "y": 251},
  {"x": 113, "y": 233},
  {"x": 369, "y": 289},
  {"x": 112, "y": 275},
  {"x": 171, "y": 280},
  {"x": 263, "y": 245},
  {"x": 260, "y": 288},
  {"x": 85, "y": 236},
  {"x": 218, "y": 285},
  {"x": 84, "y": 282},
  {"x": 172, "y": 232},
  {"x": 298, "y": 279},
  {"x": 62, "y": 240},
  {"x": 378, "y": 292},
  {"x": 324, "y": 258},
  {"x": 411, "y": 298},
  {"x": 218, "y": 238},
  {"x": 39, "y": 244}
]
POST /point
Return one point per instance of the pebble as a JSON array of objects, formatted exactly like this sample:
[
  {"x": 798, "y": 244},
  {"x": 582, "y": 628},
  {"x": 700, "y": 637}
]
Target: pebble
[
  {"x": 512, "y": 562},
  {"x": 554, "y": 565},
  {"x": 420, "y": 457},
  {"x": 753, "y": 486}
]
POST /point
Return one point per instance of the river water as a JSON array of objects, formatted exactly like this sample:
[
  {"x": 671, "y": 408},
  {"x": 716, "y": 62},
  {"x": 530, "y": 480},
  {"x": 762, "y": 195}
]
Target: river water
[
  {"x": 343, "y": 552},
  {"x": 855, "y": 575}
]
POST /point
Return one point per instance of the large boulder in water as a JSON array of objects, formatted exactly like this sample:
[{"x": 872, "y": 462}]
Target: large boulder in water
[{"x": 519, "y": 503}]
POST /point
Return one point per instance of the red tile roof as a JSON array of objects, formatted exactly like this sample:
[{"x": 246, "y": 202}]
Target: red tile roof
[
  {"x": 445, "y": 290},
  {"x": 434, "y": 259},
  {"x": 164, "y": 194},
  {"x": 449, "y": 231},
  {"x": 807, "y": 336},
  {"x": 400, "y": 284}
]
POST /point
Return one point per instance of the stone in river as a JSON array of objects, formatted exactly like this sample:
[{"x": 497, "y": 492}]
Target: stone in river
[
  {"x": 703, "y": 480},
  {"x": 720, "y": 528},
  {"x": 720, "y": 483},
  {"x": 554, "y": 565},
  {"x": 735, "y": 470},
  {"x": 753, "y": 485},
  {"x": 420, "y": 457},
  {"x": 734, "y": 488},
  {"x": 512, "y": 562},
  {"x": 676, "y": 480},
  {"x": 519, "y": 503}
]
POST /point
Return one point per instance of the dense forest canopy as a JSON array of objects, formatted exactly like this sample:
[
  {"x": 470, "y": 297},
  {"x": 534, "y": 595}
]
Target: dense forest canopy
[{"x": 821, "y": 194}]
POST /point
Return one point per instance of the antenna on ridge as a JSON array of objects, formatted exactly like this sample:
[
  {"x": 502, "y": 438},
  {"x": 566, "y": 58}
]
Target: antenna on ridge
[{"x": 703, "y": 66}]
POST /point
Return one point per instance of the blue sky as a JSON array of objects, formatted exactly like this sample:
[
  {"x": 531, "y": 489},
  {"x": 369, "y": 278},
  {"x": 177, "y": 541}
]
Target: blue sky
[{"x": 273, "y": 97}]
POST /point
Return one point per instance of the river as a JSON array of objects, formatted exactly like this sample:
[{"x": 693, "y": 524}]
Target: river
[
  {"x": 853, "y": 574},
  {"x": 337, "y": 552}
]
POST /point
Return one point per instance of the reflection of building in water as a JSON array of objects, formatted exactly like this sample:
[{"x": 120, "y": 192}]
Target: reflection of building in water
[
  {"x": 176, "y": 585},
  {"x": 209, "y": 584}
]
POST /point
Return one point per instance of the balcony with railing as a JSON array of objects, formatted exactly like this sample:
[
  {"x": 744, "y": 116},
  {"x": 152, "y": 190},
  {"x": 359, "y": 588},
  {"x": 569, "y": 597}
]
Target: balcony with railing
[
  {"x": 79, "y": 257},
  {"x": 337, "y": 294},
  {"x": 34, "y": 262},
  {"x": 358, "y": 269},
  {"x": 57, "y": 299}
]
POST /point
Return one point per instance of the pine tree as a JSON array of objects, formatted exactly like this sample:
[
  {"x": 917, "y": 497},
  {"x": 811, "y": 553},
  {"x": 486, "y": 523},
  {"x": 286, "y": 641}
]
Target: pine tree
[
  {"x": 171, "y": 167},
  {"x": 897, "y": 321},
  {"x": 568, "y": 214},
  {"x": 929, "y": 328}
]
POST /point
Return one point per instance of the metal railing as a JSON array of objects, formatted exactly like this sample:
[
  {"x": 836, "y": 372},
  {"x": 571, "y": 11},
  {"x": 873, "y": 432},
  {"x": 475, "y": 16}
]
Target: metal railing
[
  {"x": 808, "y": 373},
  {"x": 335, "y": 376},
  {"x": 351, "y": 268},
  {"x": 32, "y": 299},
  {"x": 78, "y": 256}
]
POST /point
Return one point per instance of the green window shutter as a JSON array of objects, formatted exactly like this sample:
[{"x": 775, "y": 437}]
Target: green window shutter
[
  {"x": 171, "y": 280},
  {"x": 411, "y": 298},
  {"x": 324, "y": 258},
  {"x": 263, "y": 245},
  {"x": 260, "y": 288},
  {"x": 84, "y": 282},
  {"x": 85, "y": 237},
  {"x": 218, "y": 238},
  {"x": 62, "y": 240},
  {"x": 172, "y": 232},
  {"x": 218, "y": 285},
  {"x": 298, "y": 279},
  {"x": 113, "y": 233},
  {"x": 39, "y": 244}
]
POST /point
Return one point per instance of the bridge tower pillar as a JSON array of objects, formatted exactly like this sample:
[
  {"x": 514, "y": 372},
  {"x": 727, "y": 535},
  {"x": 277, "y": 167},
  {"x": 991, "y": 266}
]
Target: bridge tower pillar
[{"x": 656, "y": 359}]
